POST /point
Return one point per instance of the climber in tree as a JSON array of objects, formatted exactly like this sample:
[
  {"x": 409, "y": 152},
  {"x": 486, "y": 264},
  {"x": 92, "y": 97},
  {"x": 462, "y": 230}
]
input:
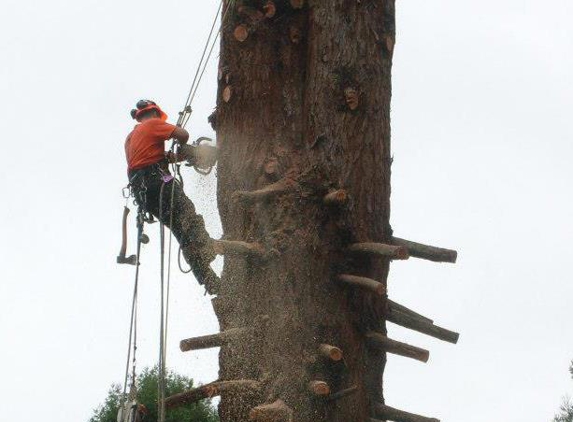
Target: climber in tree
[{"x": 152, "y": 183}]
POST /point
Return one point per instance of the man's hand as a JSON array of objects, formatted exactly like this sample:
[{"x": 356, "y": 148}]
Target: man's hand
[
  {"x": 180, "y": 156},
  {"x": 171, "y": 157},
  {"x": 181, "y": 135}
]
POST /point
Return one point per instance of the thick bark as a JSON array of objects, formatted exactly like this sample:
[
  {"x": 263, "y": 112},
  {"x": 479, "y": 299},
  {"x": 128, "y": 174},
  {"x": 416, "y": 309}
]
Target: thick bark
[{"x": 309, "y": 103}]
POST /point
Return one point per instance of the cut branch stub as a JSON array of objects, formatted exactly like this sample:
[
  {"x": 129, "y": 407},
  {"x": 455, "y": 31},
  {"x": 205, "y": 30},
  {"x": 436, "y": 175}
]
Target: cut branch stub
[
  {"x": 396, "y": 347},
  {"x": 214, "y": 340},
  {"x": 319, "y": 388},
  {"x": 390, "y": 42},
  {"x": 254, "y": 15},
  {"x": 380, "y": 249},
  {"x": 352, "y": 98},
  {"x": 234, "y": 247},
  {"x": 282, "y": 186},
  {"x": 337, "y": 197},
  {"x": 220, "y": 339},
  {"x": 295, "y": 34},
  {"x": 389, "y": 413},
  {"x": 241, "y": 32},
  {"x": 363, "y": 283},
  {"x": 227, "y": 93},
  {"x": 343, "y": 393},
  {"x": 430, "y": 253},
  {"x": 270, "y": 9},
  {"x": 211, "y": 390},
  {"x": 221, "y": 73},
  {"x": 423, "y": 327},
  {"x": 396, "y": 307},
  {"x": 274, "y": 412},
  {"x": 297, "y": 4},
  {"x": 332, "y": 353}
]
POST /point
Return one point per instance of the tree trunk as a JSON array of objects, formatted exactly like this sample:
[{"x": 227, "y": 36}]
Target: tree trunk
[{"x": 304, "y": 100}]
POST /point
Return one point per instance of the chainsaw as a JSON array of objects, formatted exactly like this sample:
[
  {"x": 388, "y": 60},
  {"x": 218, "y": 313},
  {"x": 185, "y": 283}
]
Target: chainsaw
[{"x": 201, "y": 155}]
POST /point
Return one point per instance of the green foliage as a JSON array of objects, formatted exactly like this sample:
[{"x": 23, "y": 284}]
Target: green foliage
[
  {"x": 147, "y": 395},
  {"x": 566, "y": 412}
]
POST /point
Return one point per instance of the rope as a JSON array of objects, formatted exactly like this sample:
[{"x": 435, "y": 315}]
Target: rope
[
  {"x": 165, "y": 290},
  {"x": 162, "y": 329},
  {"x": 180, "y": 265},
  {"x": 133, "y": 318},
  {"x": 189, "y": 99},
  {"x": 185, "y": 114}
]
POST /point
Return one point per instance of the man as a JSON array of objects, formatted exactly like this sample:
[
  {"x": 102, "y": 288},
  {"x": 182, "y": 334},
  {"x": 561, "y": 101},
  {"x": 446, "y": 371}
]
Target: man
[{"x": 152, "y": 183}]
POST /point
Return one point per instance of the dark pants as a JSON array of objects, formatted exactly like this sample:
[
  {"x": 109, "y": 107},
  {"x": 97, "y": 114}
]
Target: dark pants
[{"x": 187, "y": 226}]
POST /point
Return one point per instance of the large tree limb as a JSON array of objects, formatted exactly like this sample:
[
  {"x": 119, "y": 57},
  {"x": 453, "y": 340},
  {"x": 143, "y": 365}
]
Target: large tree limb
[
  {"x": 395, "y": 306},
  {"x": 274, "y": 412},
  {"x": 343, "y": 393},
  {"x": 277, "y": 188},
  {"x": 214, "y": 340},
  {"x": 396, "y": 347},
  {"x": 431, "y": 253},
  {"x": 234, "y": 247},
  {"x": 211, "y": 390},
  {"x": 363, "y": 283},
  {"x": 423, "y": 327},
  {"x": 380, "y": 249},
  {"x": 389, "y": 413}
]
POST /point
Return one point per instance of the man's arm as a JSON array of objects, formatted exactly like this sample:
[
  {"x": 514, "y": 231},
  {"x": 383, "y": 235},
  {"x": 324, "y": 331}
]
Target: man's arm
[{"x": 180, "y": 135}]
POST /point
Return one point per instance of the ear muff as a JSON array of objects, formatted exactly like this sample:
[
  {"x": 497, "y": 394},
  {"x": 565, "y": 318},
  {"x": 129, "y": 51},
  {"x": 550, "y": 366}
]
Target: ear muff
[{"x": 141, "y": 104}]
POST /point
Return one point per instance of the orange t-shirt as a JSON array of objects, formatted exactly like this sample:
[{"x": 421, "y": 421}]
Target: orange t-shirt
[{"x": 145, "y": 144}]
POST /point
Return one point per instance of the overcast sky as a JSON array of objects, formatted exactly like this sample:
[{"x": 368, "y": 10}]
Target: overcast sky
[{"x": 482, "y": 141}]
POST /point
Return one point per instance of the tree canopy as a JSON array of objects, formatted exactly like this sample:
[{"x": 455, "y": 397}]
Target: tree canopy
[{"x": 147, "y": 395}]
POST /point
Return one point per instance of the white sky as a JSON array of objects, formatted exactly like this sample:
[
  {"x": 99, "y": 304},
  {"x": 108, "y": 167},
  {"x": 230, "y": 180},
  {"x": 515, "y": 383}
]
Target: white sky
[{"x": 482, "y": 140}]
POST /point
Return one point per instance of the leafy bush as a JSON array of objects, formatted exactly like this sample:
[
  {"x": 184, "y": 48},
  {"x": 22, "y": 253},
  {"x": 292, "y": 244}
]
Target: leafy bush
[{"x": 147, "y": 395}]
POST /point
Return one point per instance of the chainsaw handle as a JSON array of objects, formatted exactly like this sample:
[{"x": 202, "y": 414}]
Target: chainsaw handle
[
  {"x": 200, "y": 140},
  {"x": 123, "y": 249}
]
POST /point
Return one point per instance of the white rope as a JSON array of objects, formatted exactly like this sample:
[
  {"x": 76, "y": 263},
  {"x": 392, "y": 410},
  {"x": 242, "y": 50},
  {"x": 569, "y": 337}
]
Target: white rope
[
  {"x": 185, "y": 114},
  {"x": 189, "y": 95},
  {"x": 164, "y": 297},
  {"x": 132, "y": 343}
]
